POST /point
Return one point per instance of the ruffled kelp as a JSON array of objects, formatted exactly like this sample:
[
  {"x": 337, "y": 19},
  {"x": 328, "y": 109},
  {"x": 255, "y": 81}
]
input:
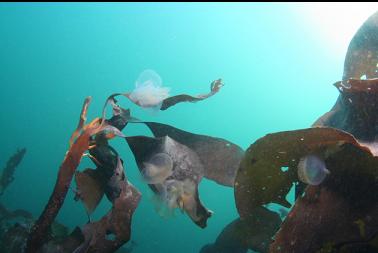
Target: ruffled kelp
[
  {"x": 180, "y": 188},
  {"x": 219, "y": 157},
  {"x": 9, "y": 169}
]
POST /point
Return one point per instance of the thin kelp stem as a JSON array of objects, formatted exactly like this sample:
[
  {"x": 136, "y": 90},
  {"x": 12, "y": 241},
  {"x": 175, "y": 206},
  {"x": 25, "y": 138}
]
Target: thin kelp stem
[{"x": 72, "y": 159}]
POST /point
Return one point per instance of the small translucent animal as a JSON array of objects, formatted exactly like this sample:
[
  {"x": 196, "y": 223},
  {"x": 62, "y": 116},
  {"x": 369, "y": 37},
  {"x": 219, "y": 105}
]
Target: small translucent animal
[
  {"x": 312, "y": 170},
  {"x": 149, "y": 92},
  {"x": 158, "y": 168}
]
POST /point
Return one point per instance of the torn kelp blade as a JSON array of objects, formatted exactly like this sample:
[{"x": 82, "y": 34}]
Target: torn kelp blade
[
  {"x": 186, "y": 174},
  {"x": 220, "y": 157},
  {"x": 254, "y": 233},
  {"x": 90, "y": 188},
  {"x": 362, "y": 56},
  {"x": 341, "y": 213},
  {"x": 171, "y": 101},
  {"x": 269, "y": 167},
  {"x": 116, "y": 222}
]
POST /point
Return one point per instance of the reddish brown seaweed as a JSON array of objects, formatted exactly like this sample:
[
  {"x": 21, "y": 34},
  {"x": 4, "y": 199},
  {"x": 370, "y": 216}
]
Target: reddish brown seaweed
[
  {"x": 339, "y": 213},
  {"x": 79, "y": 141},
  {"x": 116, "y": 222}
]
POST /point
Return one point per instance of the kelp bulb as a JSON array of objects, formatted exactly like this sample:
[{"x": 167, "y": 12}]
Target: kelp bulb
[
  {"x": 312, "y": 170},
  {"x": 157, "y": 168}
]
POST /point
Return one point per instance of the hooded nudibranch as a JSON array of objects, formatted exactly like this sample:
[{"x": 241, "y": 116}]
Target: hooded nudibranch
[
  {"x": 158, "y": 168},
  {"x": 149, "y": 91},
  {"x": 312, "y": 169}
]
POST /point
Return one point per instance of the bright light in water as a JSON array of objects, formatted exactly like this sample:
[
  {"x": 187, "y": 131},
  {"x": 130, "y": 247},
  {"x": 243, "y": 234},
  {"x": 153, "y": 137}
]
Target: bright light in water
[{"x": 337, "y": 22}]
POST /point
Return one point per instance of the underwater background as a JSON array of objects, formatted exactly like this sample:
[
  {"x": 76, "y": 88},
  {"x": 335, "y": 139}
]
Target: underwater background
[{"x": 278, "y": 63}]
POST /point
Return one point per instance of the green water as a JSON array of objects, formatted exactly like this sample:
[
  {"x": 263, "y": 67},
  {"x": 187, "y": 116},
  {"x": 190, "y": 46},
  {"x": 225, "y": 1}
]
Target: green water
[{"x": 278, "y": 69}]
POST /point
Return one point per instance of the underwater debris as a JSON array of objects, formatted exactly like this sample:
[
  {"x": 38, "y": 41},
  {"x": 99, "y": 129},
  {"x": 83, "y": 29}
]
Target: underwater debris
[
  {"x": 253, "y": 233},
  {"x": 7, "y": 173},
  {"x": 260, "y": 179},
  {"x": 220, "y": 158},
  {"x": 180, "y": 189},
  {"x": 79, "y": 143}
]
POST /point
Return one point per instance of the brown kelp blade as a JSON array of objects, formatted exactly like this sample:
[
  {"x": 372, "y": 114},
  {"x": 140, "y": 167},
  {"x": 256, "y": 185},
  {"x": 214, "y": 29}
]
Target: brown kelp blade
[
  {"x": 220, "y": 157},
  {"x": 269, "y": 167},
  {"x": 171, "y": 101},
  {"x": 90, "y": 188},
  {"x": 187, "y": 169},
  {"x": 7, "y": 173},
  {"x": 362, "y": 56},
  {"x": 253, "y": 233},
  {"x": 355, "y": 111},
  {"x": 341, "y": 214},
  {"x": 116, "y": 222}
]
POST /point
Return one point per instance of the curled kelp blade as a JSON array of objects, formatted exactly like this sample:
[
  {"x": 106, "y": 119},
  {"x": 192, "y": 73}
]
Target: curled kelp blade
[
  {"x": 253, "y": 233},
  {"x": 90, "y": 188},
  {"x": 356, "y": 110},
  {"x": 362, "y": 56},
  {"x": 339, "y": 215},
  {"x": 180, "y": 188},
  {"x": 269, "y": 167},
  {"x": 171, "y": 101},
  {"x": 219, "y": 157}
]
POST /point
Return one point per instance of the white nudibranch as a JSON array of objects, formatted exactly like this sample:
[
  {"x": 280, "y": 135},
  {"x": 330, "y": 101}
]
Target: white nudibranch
[
  {"x": 149, "y": 91},
  {"x": 158, "y": 168},
  {"x": 312, "y": 170}
]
